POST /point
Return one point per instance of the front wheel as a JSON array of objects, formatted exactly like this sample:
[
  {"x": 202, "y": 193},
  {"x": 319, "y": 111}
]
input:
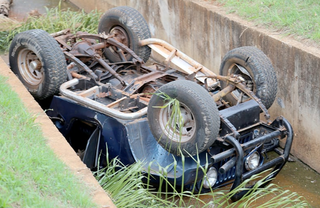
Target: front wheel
[
  {"x": 256, "y": 69},
  {"x": 38, "y": 61},
  {"x": 183, "y": 118}
]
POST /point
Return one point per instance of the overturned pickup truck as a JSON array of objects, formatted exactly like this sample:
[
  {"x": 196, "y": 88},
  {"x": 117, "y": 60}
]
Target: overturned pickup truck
[{"x": 105, "y": 99}]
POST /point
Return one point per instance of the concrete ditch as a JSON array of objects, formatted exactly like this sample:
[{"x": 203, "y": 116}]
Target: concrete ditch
[
  {"x": 206, "y": 32},
  {"x": 56, "y": 141}
]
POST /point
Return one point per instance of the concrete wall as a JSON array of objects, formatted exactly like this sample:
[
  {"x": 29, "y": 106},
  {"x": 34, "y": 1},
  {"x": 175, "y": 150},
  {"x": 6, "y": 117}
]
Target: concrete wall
[{"x": 205, "y": 33}]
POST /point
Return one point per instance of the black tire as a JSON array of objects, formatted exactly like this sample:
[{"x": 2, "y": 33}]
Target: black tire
[
  {"x": 129, "y": 27},
  {"x": 199, "y": 111},
  {"x": 262, "y": 79},
  {"x": 38, "y": 61}
]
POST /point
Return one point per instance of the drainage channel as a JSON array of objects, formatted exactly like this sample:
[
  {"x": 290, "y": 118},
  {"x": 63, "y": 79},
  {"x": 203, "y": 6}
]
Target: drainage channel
[{"x": 295, "y": 176}]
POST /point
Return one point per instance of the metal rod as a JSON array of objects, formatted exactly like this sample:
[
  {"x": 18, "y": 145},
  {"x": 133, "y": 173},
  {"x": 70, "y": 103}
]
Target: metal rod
[
  {"x": 62, "y": 32},
  {"x": 195, "y": 66},
  {"x": 270, "y": 164},
  {"x": 81, "y": 64},
  {"x": 286, "y": 151},
  {"x": 223, "y": 169},
  {"x": 180, "y": 54},
  {"x": 239, "y": 162},
  {"x": 231, "y": 152},
  {"x": 107, "y": 67},
  {"x": 96, "y": 105},
  {"x": 223, "y": 93}
]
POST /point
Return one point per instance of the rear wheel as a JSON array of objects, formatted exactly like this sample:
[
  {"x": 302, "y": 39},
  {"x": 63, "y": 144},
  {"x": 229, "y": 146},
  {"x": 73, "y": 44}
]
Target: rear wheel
[
  {"x": 128, "y": 27},
  {"x": 256, "y": 68},
  {"x": 183, "y": 118},
  {"x": 36, "y": 58}
]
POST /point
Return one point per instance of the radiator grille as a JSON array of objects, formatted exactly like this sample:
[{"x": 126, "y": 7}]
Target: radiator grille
[{"x": 231, "y": 173}]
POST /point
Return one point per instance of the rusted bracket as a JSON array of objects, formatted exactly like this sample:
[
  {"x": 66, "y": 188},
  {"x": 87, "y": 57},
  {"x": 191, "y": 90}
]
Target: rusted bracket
[
  {"x": 80, "y": 64},
  {"x": 230, "y": 126},
  {"x": 169, "y": 58},
  {"x": 107, "y": 67},
  {"x": 123, "y": 47},
  {"x": 105, "y": 41},
  {"x": 244, "y": 89},
  {"x": 138, "y": 82},
  {"x": 236, "y": 81},
  {"x": 108, "y": 41}
]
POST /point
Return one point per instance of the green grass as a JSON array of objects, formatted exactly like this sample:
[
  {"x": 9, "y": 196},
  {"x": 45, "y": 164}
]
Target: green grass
[
  {"x": 300, "y": 18},
  {"x": 53, "y": 21},
  {"x": 31, "y": 175},
  {"x": 127, "y": 190}
]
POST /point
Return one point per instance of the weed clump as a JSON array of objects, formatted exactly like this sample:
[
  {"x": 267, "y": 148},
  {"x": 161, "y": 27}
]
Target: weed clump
[{"x": 53, "y": 21}]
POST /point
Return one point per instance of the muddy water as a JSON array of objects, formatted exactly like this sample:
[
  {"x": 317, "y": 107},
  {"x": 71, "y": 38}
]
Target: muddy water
[
  {"x": 296, "y": 177},
  {"x": 299, "y": 178},
  {"x": 21, "y": 8}
]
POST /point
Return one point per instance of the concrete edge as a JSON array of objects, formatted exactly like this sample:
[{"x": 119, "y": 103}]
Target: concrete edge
[
  {"x": 273, "y": 33},
  {"x": 57, "y": 142}
]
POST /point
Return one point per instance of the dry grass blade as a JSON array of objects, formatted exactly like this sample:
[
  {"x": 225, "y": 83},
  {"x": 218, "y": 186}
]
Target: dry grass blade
[{"x": 7, "y": 24}]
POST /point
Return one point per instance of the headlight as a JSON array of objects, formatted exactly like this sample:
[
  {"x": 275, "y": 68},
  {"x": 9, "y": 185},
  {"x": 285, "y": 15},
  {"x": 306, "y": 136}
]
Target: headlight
[
  {"x": 210, "y": 178},
  {"x": 252, "y": 161}
]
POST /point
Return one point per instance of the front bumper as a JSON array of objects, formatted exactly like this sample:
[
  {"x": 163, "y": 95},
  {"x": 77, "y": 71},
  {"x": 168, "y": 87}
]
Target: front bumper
[{"x": 238, "y": 150}]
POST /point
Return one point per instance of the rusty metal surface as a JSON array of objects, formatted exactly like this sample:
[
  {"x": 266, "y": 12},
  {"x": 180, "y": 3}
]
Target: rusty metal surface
[
  {"x": 195, "y": 67},
  {"x": 96, "y": 105},
  {"x": 223, "y": 93},
  {"x": 238, "y": 82},
  {"x": 85, "y": 55},
  {"x": 140, "y": 81}
]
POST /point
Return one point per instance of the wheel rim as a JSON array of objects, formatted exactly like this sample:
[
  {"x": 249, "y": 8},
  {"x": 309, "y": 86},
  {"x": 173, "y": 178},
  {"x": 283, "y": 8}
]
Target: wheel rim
[
  {"x": 181, "y": 129},
  {"x": 30, "y": 67},
  {"x": 121, "y": 36},
  {"x": 249, "y": 82}
]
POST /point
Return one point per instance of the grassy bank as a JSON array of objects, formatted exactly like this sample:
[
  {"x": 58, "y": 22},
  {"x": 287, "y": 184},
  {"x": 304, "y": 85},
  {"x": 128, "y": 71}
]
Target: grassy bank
[
  {"x": 31, "y": 175},
  {"x": 299, "y": 18}
]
